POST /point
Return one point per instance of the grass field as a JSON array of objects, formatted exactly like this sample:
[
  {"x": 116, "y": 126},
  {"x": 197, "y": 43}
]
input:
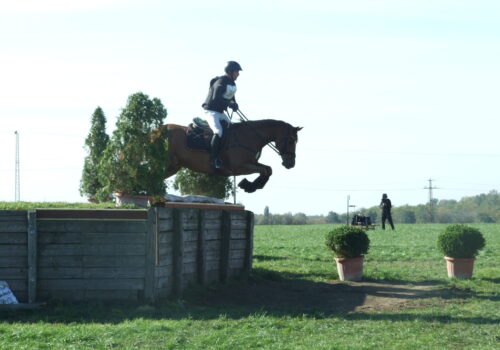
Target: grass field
[
  {"x": 62, "y": 205},
  {"x": 292, "y": 300}
]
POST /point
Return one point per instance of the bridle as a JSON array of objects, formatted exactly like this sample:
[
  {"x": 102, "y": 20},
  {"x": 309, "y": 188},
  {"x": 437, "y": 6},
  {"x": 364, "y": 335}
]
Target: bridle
[
  {"x": 283, "y": 152},
  {"x": 287, "y": 139}
]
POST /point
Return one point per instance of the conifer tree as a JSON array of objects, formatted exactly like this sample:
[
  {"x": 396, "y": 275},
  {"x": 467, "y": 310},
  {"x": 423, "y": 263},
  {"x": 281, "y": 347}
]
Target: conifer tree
[
  {"x": 136, "y": 157},
  {"x": 95, "y": 144}
]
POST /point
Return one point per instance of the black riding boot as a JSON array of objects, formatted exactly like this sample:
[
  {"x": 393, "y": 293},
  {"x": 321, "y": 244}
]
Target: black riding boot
[{"x": 215, "y": 162}]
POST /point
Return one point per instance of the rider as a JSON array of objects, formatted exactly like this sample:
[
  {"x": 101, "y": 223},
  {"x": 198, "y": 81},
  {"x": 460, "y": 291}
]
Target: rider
[{"x": 220, "y": 97}]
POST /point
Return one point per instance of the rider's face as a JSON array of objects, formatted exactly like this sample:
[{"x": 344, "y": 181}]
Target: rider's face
[{"x": 234, "y": 74}]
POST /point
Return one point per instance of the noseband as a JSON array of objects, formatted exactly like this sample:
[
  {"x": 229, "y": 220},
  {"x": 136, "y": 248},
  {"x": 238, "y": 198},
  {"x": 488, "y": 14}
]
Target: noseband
[{"x": 283, "y": 152}]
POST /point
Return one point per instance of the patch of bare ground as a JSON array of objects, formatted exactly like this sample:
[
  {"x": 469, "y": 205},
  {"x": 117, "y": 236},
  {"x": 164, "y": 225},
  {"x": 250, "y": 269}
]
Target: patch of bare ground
[
  {"x": 383, "y": 296},
  {"x": 303, "y": 296}
]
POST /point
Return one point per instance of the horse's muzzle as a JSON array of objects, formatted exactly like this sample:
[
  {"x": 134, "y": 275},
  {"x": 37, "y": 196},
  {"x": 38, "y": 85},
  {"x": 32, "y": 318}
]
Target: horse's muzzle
[{"x": 288, "y": 162}]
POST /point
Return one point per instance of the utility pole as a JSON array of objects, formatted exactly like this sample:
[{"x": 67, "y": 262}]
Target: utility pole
[
  {"x": 18, "y": 183},
  {"x": 430, "y": 208}
]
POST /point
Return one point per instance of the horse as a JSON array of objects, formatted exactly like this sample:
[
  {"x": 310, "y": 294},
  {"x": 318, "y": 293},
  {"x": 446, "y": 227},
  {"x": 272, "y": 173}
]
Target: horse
[{"x": 243, "y": 145}]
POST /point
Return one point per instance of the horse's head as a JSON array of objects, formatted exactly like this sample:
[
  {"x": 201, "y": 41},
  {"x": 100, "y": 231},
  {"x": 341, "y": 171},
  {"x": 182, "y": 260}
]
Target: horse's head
[{"x": 286, "y": 144}]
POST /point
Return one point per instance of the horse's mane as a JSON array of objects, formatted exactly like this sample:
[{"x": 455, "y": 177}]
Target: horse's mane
[{"x": 257, "y": 124}]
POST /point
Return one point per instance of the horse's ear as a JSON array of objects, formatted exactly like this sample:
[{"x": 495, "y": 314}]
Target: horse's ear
[{"x": 299, "y": 128}]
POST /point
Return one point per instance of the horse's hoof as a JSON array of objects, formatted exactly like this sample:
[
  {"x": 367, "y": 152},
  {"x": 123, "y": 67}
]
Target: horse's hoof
[{"x": 247, "y": 186}]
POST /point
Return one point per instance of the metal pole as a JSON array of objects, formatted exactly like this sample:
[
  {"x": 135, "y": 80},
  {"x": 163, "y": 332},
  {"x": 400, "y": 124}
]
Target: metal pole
[
  {"x": 18, "y": 182},
  {"x": 347, "y": 218},
  {"x": 234, "y": 189}
]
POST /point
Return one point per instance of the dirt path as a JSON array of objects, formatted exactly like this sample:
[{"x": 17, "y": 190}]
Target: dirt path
[
  {"x": 391, "y": 297},
  {"x": 326, "y": 297}
]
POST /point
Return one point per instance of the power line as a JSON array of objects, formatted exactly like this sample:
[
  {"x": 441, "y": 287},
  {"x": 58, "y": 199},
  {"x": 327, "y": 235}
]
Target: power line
[
  {"x": 378, "y": 189},
  {"x": 407, "y": 153}
]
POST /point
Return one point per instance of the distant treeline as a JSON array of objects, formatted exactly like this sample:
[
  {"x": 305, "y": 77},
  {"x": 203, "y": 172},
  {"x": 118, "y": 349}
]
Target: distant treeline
[{"x": 480, "y": 208}]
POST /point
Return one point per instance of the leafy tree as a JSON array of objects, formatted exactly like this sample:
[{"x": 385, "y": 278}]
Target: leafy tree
[
  {"x": 136, "y": 157},
  {"x": 332, "y": 218},
  {"x": 409, "y": 217},
  {"x": 481, "y": 208},
  {"x": 266, "y": 219},
  {"x": 299, "y": 219},
  {"x": 95, "y": 144},
  {"x": 266, "y": 211},
  {"x": 287, "y": 218},
  {"x": 191, "y": 182},
  {"x": 372, "y": 213},
  {"x": 484, "y": 217}
]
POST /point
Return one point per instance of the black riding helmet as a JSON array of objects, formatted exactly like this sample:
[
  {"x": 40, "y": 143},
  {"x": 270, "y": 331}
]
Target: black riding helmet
[{"x": 232, "y": 66}]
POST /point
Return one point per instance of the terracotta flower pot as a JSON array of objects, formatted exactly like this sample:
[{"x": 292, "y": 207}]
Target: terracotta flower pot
[
  {"x": 459, "y": 267},
  {"x": 350, "y": 269}
]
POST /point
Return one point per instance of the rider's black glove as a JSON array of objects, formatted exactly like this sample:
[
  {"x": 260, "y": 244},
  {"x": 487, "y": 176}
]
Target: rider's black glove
[{"x": 233, "y": 106}]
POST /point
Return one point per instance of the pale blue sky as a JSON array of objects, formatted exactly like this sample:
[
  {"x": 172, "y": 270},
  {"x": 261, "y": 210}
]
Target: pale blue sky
[{"x": 390, "y": 93}]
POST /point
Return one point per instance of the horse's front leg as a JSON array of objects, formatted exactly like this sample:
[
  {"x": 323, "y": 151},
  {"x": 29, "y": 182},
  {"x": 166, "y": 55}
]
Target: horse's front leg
[{"x": 259, "y": 183}]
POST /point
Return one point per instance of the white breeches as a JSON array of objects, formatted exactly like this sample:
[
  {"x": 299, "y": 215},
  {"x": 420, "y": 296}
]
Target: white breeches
[{"x": 214, "y": 120}]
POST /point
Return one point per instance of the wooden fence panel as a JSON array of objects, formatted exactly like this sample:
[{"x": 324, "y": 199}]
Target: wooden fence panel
[
  {"x": 14, "y": 251},
  {"x": 17, "y": 226},
  {"x": 92, "y": 226},
  {"x": 13, "y": 215},
  {"x": 7, "y": 237},
  {"x": 75, "y": 255},
  {"x": 178, "y": 251}
]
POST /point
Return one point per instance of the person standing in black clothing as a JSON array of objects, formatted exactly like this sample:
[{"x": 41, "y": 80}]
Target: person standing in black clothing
[{"x": 386, "y": 206}]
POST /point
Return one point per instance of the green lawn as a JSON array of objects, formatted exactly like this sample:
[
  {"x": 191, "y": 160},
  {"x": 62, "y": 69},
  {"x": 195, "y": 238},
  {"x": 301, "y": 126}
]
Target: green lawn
[
  {"x": 62, "y": 205},
  {"x": 293, "y": 301}
]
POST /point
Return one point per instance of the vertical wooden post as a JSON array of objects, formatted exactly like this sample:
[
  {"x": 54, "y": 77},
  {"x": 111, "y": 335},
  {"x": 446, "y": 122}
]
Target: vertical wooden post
[
  {"x": 157, "y": 236},
  {"x": 202, "y": 252},
  {"x": 225, "y": 245},
  {"x": 149, "y": 275},
  {"x": 247, "y": 267},
  {"x": 32, "y": 255},
  {"x": 178, "y": 251}
]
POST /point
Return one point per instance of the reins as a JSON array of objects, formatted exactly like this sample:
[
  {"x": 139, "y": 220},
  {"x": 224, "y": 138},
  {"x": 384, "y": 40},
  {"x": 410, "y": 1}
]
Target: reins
[{"x": 244, "y": 118}]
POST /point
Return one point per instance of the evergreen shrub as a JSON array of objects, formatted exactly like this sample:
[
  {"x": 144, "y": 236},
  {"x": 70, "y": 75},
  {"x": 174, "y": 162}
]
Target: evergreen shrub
[
  {"x": 460, "y": 241},
  {"x": 348, "y": 241},
  {"x": 136, "y": 158}
]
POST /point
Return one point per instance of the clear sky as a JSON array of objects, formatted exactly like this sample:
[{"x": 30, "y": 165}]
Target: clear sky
[{"x": 390, "y": 93}]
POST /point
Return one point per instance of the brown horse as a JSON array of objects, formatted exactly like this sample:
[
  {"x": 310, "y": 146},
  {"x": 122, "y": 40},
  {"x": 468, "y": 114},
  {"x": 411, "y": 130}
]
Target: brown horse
[{"x": 243, "y": 146}]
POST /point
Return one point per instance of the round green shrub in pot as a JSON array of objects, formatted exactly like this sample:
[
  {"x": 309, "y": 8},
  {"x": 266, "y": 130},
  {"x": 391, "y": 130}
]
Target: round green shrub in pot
[
  {"x": 349, "y": 244},
  {"x": 348, "y": 241},
  {"x": 460, "y": 244},
  {"x": 460, "y": 241}
]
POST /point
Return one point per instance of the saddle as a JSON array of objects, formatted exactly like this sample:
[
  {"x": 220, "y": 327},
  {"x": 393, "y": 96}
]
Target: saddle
[{"x": 199, "y": 135}]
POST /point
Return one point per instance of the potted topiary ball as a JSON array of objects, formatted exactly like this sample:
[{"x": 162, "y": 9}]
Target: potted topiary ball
[
  {"x": 349, "y": 245},
  {"x": 460, "y": 244}
]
